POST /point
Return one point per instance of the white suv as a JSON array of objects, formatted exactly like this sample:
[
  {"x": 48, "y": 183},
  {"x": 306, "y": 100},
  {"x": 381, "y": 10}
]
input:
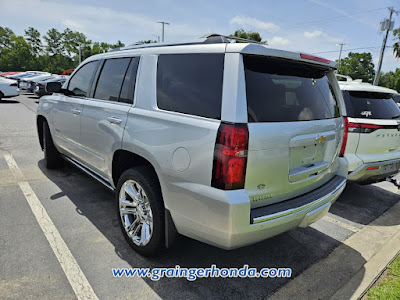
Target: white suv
[
  {"x": 226, "y": 143},
  {"x": 372, "y": 131}
]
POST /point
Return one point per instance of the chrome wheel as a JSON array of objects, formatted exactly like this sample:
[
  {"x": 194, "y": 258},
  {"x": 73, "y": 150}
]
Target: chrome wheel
[{"x": 135, "y": 212}]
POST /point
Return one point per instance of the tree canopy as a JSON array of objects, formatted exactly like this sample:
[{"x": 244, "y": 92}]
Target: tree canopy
[
  {"x": 396, "y": 46},
  {"x": 391, "y": 80},
  {"x": 54, "y": 52},
  {"x": 249, "y": 35},
  {"x": 358, "y": 66}
]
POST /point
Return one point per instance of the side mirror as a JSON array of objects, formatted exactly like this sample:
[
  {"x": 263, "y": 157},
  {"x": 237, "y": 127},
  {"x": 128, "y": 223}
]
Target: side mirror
[{"x": 53, "y": 87}]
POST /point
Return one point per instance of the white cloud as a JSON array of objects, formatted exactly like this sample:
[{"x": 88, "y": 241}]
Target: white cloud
[
  {"x": 322, "y": 36},
  {"x": 313, "y": 34},
  {"x": 254, "y": 23},
  {"x": 96, "y": 22},
  {"x": 278, "y": 41},
  {"x": 73, "y": 25}
]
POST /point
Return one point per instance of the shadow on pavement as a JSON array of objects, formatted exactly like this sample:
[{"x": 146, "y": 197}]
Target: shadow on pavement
[
  {"x": 4, "y": 101},
  {"x": 370, "y": 203},
  {"x": 297, "y": 249}
]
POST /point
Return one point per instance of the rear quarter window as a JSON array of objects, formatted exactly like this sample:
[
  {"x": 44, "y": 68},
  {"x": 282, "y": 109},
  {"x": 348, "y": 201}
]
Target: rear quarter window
[
  {"x": 280, "y": 90},
  {"x": 370, "y": 105},
  {"x": 190, "y": 84}
]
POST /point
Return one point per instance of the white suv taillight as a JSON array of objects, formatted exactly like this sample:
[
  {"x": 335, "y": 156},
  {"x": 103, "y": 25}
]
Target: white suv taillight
[
  {"x": 230, "y": 157},
  {"x": 356, "y": 128}
]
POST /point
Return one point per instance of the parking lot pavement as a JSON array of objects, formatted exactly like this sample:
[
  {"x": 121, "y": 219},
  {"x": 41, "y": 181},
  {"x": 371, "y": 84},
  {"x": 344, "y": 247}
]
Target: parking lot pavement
[{"x": 83, "y": 213}]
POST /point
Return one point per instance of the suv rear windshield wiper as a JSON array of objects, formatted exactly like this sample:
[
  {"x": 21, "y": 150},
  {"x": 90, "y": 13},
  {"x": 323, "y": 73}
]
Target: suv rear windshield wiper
[{"x": 395, "y": 117}]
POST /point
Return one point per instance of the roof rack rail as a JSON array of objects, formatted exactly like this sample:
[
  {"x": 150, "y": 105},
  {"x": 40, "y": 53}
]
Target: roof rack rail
[{"x": 210, "y": 38}]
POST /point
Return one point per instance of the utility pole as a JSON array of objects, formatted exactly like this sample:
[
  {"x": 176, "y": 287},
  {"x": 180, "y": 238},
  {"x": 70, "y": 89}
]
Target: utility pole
[
  {"x": 80, "y": 53},
  {"x": 163, "y": 23},
  {"x": 340, "y": 55},
  {"x": 387, "y": 25}
]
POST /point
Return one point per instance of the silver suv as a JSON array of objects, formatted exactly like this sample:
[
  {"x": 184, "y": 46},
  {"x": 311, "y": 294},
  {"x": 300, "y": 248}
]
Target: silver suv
[{"x": 226, "y": 143}]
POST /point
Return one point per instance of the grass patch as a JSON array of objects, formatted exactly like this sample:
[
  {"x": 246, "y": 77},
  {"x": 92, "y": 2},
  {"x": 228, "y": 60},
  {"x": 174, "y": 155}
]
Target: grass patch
[{"x": 389, "y": 287}]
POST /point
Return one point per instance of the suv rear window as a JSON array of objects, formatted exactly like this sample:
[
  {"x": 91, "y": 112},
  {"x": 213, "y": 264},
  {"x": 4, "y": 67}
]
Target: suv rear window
[
  {"x": 280, "y": 90},
  {"x": 191, "y": 84},
  {"x": 370, "y": 105}
]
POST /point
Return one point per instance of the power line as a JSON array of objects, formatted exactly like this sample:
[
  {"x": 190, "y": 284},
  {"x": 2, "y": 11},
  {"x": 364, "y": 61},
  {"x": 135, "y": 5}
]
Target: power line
[
  {"x": 329, "y": 19},
  {"x": 350, "y": 49}
]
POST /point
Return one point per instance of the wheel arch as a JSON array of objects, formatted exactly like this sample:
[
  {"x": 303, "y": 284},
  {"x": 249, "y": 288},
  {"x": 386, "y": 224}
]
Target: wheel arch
[{"x": 124, "y": 160}]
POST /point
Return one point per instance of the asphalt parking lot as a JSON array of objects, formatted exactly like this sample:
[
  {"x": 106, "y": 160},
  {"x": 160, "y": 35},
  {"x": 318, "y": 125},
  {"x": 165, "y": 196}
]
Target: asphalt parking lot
[{"x": 83, "y": 212}]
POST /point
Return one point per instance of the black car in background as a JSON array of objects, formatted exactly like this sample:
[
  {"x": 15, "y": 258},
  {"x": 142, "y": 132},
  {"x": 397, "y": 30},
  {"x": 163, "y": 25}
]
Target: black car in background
[
  {"x": 40, "y": 89},
  {"x": 33, "y": 82}
]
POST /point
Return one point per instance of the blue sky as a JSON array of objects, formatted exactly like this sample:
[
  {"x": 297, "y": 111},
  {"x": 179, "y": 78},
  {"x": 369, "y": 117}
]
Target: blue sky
[{"x": 313, "y": 26}]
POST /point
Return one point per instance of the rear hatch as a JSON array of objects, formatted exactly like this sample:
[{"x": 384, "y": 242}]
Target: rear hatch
[
  {"x": 295, "y": 128},
  {"x": 377, "y": 117}
]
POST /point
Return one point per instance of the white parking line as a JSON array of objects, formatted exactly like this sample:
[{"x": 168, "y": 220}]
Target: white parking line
[
  {"x": 341, "y": 224},
  {"x": 76, "y": 278}
]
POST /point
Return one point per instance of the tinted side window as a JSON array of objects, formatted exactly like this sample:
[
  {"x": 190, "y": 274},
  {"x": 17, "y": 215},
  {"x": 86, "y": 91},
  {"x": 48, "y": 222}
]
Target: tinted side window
[
  {"x": 280, "y": 90},
  {"x": 191, "y": 84},
  {"x": 79, "y": 84},
  {"x": 110, "y": 79},
  {"x": 128, "y": 87}
]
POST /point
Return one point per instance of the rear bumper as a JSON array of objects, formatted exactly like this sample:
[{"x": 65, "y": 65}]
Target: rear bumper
[
  {"x": 374, "y": 172},
  {"x": 228, "y": 222},
  {"x": 10, "y": 94}
]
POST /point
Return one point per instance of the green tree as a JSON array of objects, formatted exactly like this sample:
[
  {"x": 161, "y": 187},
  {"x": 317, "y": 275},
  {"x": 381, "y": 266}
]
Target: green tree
[
  {"x": 72, "y": 40},
  {"x": 249, "y": 35},
  {"x": 396, "y": 46},
  {"x": 391, "y": 80},
  {"x": 54, "y": 40},
  {"x": 17, "y": 56},
  {"x": 119, "y": 44},
  {"x": 33, "y": 39},
  {"x": 5, "y": 37},
  {"x": 358, "y": 66},
  {"x": 146, "y": 42}
]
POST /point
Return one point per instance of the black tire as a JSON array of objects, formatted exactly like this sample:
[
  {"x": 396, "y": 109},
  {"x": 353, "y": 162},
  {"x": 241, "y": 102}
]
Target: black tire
[
  {"x": 52, "y": 158},
  {"x": 146, "y": 177},
  {"x": 1, "y": 96}
]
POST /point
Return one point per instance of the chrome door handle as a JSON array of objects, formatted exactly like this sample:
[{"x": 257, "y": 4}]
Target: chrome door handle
[
  {"x": 114, "y": 120},
  {"x": 76, "y": 111}
]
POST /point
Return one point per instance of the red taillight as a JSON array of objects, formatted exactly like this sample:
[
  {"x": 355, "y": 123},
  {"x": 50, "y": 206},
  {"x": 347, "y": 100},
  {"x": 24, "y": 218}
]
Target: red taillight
[
  {"x": 345, "y": 135},
  {"x": 371, "y": 126},
  {"x": 14, "y": 84},
  {"x": 363, "y": 128},
  {"x": 373, "y": 168},
  {"x": 315, "y": 58},
  {"x": 230, "y": 157}
]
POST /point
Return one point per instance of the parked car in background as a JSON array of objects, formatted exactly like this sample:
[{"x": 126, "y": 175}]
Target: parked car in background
[
  {"x": 5, "y": 74},
  {"x": 22, "y": 75},
  {"x": 372, "y": 131},
  {"x": 227, "y": 143},
  {"x": 24, "y": 82},
  {"x": 33, "y": 81},
  {"x": 8, "y": 88},
  {"x": 41, "y": 86}
]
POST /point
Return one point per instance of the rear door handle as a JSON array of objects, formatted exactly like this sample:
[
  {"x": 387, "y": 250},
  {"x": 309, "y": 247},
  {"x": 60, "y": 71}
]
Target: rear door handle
[
  {"x": 76, "y": 111},
  {"x": 114, "y": 120}
]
